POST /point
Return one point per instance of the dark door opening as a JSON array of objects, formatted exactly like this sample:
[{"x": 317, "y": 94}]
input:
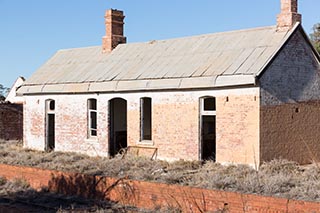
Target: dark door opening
[
  {"x": 50, "y": 144},
  {"x": 208, "y": 128},
  {"x": 117, "y": 125},
  {"x": 208, "y": 138}
]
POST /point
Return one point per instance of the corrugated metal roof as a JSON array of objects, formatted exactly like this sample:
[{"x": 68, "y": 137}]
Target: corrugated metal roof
[{"x": 193, "y": 62}]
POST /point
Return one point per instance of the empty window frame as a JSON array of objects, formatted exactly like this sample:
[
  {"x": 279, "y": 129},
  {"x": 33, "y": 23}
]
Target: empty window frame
[
  {"x": 208, "y": 106},
  {"x": 145, "y": 119},
  {"x": 92, "y": 117},
  {"x": 51, "y": 105}
]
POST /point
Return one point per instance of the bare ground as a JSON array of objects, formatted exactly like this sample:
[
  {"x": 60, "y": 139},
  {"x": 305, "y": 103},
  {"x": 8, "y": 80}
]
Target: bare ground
[{"x": 280, "y": 178}]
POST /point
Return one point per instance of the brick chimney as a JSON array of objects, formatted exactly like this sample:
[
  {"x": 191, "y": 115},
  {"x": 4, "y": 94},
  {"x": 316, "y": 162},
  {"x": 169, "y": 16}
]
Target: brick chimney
[
  {"x": 114, "y": 30},
  {"x": 289, "y": 15}
]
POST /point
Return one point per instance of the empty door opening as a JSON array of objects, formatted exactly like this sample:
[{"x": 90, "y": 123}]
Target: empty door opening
[
  {"x": 208, "y": 129},
  {"x": 50, "y": 125},
  {"x": 117, "y": 125}
]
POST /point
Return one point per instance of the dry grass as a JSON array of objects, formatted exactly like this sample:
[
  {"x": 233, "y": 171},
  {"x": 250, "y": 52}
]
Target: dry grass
[
  {"x": 8, "y": 188},
  {"x": 279, "y": 178}
]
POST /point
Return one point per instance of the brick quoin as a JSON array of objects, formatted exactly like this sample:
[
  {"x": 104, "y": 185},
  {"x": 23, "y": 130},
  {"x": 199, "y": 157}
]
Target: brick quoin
[{"x": 149, "y": 195}]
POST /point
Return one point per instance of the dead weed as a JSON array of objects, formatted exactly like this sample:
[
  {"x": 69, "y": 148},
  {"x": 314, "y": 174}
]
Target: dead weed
[{"x": 280, "y": 177}]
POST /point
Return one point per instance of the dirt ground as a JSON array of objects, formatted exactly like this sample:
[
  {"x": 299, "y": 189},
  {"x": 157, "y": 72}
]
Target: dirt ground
[{"x": 279, "y": 178}]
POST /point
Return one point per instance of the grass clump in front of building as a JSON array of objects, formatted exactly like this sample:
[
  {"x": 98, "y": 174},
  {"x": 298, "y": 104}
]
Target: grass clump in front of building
[{"x": 279, "y": 178}]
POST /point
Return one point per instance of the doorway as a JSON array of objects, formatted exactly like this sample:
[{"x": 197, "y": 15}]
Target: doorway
[
  {"x": 117, "y": 125},
  {"x": 50, "y": 125},
  {"x": 208, "y": 128}
]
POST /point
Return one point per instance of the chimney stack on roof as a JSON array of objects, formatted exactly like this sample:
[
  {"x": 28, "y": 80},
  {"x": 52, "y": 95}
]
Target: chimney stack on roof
[
  {"x": 289, "y": 15},
  {"x": 114, "y": 30}
]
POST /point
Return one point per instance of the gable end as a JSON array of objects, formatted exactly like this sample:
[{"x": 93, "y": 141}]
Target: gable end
[{"x": 293, "y": 74}]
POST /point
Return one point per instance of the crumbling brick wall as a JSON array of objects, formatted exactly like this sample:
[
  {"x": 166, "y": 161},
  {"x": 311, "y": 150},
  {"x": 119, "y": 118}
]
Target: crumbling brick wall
[
  {"x": 11, "y": 121},
  {"x": 175, "y": 123},
  {"x": 290, "y": 106}
]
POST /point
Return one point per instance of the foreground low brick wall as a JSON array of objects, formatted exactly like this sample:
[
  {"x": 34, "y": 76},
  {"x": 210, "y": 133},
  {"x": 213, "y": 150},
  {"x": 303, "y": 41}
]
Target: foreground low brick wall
[{"x": 152, "y": 195}]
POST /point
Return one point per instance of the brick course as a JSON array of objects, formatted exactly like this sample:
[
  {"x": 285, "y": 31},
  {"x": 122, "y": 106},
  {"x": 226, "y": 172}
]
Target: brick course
[{"x": 149, "y": 195}]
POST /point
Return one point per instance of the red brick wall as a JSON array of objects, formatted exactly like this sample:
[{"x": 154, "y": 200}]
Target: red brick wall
[
  {"x": 175, "y": 124},
  {"x": 11, "y": 121},
  {"x": 70, "y": 124},
  {"x": 238, "y": 129},
  {"x": 152, "y": 195},
  {"x": 291, "y": 131},
  {"x": 290, "y": 106}
]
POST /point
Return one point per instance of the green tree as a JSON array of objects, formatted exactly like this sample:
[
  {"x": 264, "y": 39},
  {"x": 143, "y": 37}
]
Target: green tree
[
  {"x": 3, "y": 92},
  {"x": 315, "y": 36}
]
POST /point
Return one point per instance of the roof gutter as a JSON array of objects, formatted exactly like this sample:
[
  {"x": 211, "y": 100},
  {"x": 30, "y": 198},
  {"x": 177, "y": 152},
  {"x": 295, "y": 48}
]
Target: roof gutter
[{"x": 141, "y": 85}]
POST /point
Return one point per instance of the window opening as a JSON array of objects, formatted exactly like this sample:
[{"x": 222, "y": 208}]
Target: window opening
[
  {"x": 146, "y": 119},
  {"x": 92, "y": 117},
  {"x": 209, "y": 104},
  {"x": 52, "y": 105}
]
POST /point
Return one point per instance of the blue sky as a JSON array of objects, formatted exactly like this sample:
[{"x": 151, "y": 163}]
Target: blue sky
[{"x": 33, "y": 30}]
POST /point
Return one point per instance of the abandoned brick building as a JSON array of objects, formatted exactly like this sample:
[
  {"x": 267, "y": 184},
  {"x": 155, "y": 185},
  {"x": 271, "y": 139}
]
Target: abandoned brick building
[{"x": 245, "y": 96}]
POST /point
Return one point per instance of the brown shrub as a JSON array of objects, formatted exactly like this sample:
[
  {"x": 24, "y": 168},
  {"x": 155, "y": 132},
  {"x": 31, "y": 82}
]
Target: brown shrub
[
  {"x": 2, "y": 181},
  {"x": 277, "y": 178}
]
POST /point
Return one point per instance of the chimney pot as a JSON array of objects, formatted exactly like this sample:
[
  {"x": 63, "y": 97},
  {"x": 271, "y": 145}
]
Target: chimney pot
[
  {"x": 289, "y": 15},
  {"x": 114, "y": 30}
]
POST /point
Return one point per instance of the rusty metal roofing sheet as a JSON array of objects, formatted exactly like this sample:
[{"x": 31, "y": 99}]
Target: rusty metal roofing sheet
[{"x": 191, "y": 62}]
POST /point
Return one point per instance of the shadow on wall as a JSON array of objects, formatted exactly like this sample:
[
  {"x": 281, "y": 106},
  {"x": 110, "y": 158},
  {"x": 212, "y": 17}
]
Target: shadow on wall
[
  {"x": 127, "y": 192},
  {"x": 92, "y": 187},
  {"x": 24, "y": 199},
  {"x": 75, "y": 185},
  {"x": 141, "y": 194}
]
